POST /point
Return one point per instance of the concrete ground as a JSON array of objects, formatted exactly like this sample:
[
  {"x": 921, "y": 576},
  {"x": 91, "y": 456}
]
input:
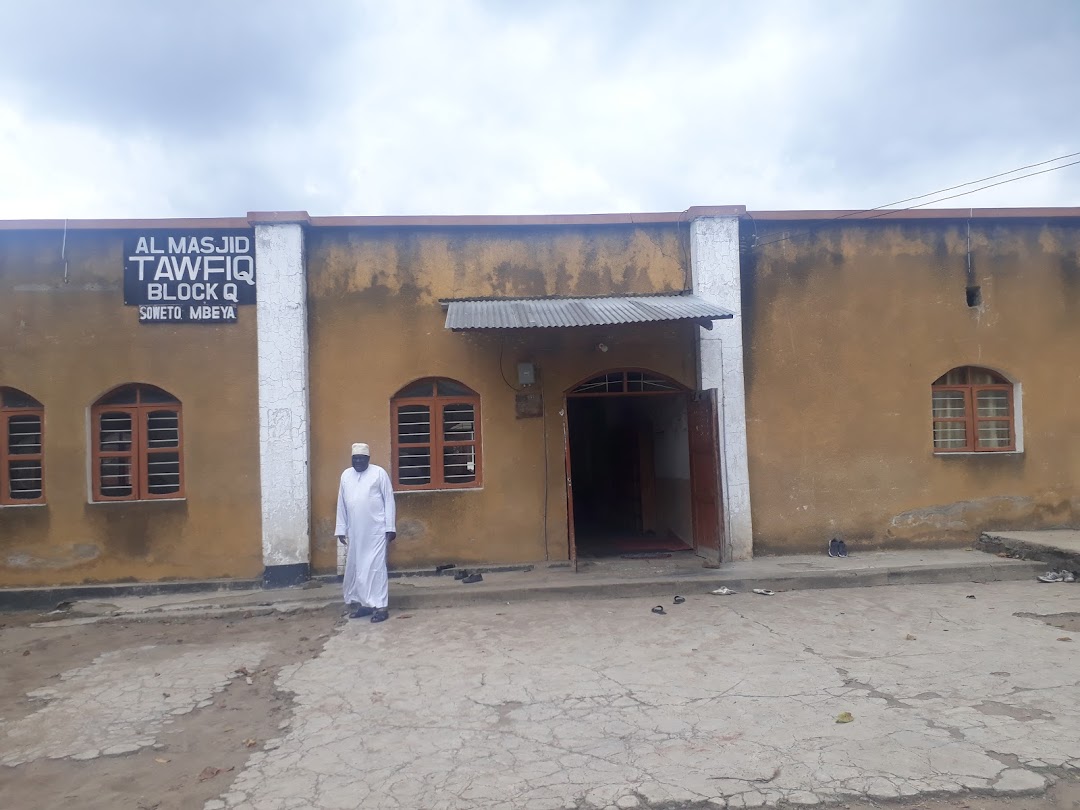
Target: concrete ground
[
  {"x": 1058, "y": 548},
  {"x": 722, "y": 701},
  {"x": 610, "y": 578}
]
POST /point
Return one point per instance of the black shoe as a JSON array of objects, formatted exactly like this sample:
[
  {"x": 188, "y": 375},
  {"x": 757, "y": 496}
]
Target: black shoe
[
  {"x": 659, "y": 610},
  {"x": 461, "y": 573},
  {"x": 834, "y": 548},
  {"x": 361, "y": 612},
  {"x": 380, "y": 615},
  {"x": 679, "y": 600},
  {"x": 471, "y": 578},
  {"x": 841, "y": 549}
]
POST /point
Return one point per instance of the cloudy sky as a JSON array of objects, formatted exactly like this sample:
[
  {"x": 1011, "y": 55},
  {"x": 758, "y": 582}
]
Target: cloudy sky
[{"x": 128, "y": 108}]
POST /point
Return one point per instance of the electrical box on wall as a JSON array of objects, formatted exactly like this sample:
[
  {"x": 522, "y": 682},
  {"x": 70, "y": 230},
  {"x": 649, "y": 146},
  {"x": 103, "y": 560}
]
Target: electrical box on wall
[{"x": 526, "y": 374}]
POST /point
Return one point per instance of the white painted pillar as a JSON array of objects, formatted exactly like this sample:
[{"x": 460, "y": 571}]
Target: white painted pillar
[
  {"x": 284, "y": 459},
  {"x": 714, "y": 262}
]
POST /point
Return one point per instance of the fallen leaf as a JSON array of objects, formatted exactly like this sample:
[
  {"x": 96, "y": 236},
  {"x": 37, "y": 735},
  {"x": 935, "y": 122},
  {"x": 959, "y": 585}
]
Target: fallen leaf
[
  {"x": 161, "y": 760},
  {"x": 909, "y": 637},
  {"x": 1064, "y": 638},
  {"x": 405, "y": 616},
  {"x": 250, "y": 743},
  {"x": 209, "y": 772},
  {"x": 25, "y": 653},
  {"x": 844, "y": 717}
]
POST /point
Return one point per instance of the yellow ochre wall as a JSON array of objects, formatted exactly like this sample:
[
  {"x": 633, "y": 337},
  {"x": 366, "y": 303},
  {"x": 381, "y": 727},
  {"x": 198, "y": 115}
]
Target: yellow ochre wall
[
  {"x": 68, "y": 343},
  {"x": 847, "y": 325},
  {"x": 376, "y": 325}
]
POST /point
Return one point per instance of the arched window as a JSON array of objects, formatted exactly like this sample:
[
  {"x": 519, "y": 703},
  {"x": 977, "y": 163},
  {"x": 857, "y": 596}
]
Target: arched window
[
  {"x": 138, "y": 439},
  {"x": 436, "y": 436},
  {"x": 973, "y": 412},
  {"x": 627, "y": 381},
  {"x": 22, "y": 449}
]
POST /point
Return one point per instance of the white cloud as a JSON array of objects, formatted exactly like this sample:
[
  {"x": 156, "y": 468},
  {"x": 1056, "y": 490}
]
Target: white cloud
[{"x": 202, "y": 109}]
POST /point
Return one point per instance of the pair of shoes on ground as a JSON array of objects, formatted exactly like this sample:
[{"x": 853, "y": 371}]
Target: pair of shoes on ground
[
  {"x": 468, "y": 577},
  {"x": 837, "y": 548},
  {"x": 725, "y": 591},
  {"x": 659, "y": 609},
  {"x": 377, "y": 614},
  {"x": 1058, "y": 576}
]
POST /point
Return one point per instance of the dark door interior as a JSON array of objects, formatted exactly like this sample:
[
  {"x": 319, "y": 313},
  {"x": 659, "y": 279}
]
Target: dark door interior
[{"x": 606, "y": 470}]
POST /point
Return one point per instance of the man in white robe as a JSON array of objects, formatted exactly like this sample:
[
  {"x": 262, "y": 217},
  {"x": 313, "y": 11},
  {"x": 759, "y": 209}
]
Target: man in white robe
[{"x": 366, "y": 524}]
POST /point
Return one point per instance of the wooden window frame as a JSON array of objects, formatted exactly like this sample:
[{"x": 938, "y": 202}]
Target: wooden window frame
[
  {"x": 437, "y": 442},
  {"x": 971, "y": 418},
  {"x": 140, "y": 451},
  {"x": 6, "y": 456}
]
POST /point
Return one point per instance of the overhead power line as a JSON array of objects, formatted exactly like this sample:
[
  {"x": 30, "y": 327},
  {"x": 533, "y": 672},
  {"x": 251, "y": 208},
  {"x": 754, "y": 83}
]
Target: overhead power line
[{"x": 935, "y": 193}]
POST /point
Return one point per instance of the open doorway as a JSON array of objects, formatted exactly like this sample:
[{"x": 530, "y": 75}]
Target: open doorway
[{"x": 629, "y": 459}]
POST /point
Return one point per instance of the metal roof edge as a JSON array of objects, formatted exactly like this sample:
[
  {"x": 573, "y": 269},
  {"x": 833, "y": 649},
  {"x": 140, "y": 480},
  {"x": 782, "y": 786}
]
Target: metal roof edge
[
  {"x": 887, "y": 214},
  {"x": 527, "y": 220},
  {"x": 614, "y": 310}
]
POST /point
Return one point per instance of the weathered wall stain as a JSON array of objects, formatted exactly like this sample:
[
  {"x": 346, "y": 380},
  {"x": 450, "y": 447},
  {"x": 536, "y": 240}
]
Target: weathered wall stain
[
  {"x": 376, "y": 325},
  {"x": 847, "y": 324},
  {"x": 73, "y": 342},
  {"x": 78, "y": 554}
]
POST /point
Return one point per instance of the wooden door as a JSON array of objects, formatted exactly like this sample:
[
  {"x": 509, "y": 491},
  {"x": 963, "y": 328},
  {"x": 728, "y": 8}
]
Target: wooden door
[
  {"x": 570, "y": 533},
  {"x": 705, "y": 494}
]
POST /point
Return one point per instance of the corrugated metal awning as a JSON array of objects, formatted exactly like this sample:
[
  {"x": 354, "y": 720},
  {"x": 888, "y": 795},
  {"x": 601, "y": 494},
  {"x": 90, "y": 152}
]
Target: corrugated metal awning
[{"x": 546, "y": 313}]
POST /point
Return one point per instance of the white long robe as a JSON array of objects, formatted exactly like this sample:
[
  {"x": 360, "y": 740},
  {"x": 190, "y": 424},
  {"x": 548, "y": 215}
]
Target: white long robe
[{"x": 365, "y": 513}]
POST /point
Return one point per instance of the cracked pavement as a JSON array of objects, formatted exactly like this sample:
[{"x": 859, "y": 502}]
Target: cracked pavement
[
  {"x": 121, "y": 702},
  {"x": 726, "y": 700}
]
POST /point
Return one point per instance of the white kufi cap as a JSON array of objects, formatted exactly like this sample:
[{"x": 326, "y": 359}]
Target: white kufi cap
[{"x": 360, "y": 449}]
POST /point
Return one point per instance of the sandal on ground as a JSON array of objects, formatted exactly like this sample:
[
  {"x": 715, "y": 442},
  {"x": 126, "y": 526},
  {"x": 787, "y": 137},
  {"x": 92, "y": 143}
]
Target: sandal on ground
[
  {"x": 764, "y": 592},
  {"x": 723, "y": 592},
  {"x": 380, "y": 615}
]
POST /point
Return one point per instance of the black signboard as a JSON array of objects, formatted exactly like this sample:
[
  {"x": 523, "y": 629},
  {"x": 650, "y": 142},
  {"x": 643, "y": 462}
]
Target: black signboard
[{"x": 189, "y": 277}]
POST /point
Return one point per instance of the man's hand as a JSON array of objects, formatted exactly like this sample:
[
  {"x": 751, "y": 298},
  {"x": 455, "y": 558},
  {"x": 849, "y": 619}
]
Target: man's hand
[
  {"x": 390, "y": 537},
  {"x": 341, "y": 539}
]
